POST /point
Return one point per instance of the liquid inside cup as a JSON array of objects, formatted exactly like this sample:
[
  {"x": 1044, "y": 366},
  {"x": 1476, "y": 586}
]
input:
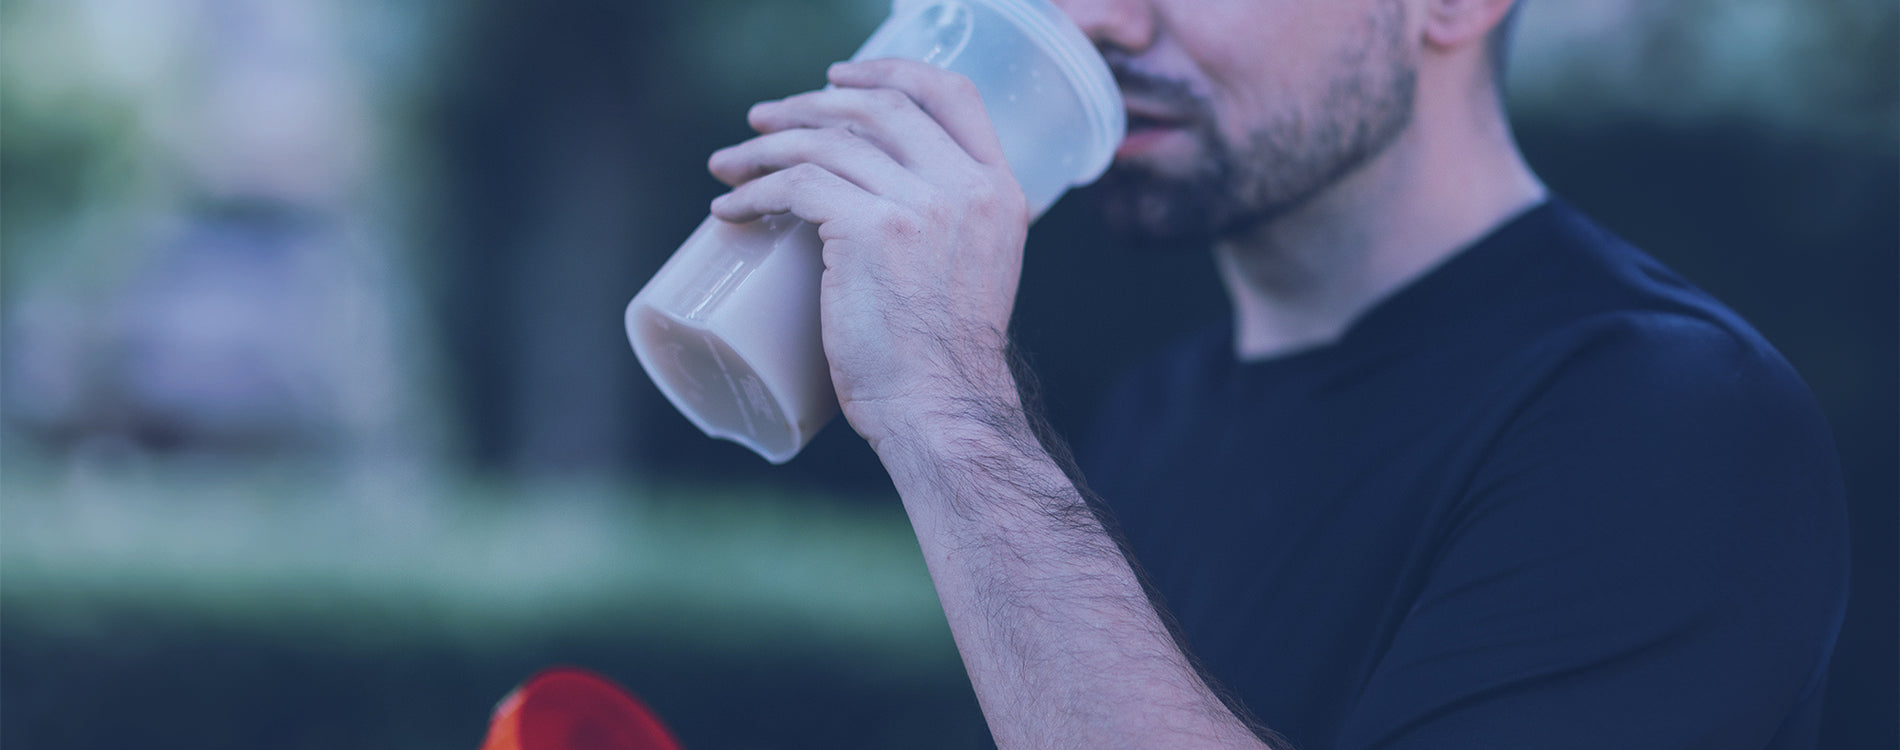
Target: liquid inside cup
[
  {"x": 721, "y": 387},
  {"x": 729, "y": 329}
]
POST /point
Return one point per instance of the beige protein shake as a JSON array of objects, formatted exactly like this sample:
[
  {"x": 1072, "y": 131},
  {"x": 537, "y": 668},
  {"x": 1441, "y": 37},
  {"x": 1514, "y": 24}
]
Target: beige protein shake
[{"x": 691, "y": 324}]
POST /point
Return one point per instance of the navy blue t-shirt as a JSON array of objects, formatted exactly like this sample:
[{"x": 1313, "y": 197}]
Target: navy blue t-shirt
[{"x": 1549, "y": 495}]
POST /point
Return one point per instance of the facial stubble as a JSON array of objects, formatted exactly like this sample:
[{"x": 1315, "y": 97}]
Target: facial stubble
[{"x": 1284, "y": 163}]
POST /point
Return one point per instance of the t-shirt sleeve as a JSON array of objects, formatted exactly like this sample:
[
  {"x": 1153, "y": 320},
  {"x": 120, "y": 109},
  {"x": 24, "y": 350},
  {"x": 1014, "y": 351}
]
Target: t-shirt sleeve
[{"x": 1653, "y": 555}]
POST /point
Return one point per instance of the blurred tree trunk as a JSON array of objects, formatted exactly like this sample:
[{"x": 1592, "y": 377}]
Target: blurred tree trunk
[{"x": 546, "y": 166}]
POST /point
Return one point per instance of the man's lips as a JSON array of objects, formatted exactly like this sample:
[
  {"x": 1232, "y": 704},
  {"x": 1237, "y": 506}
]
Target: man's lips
[
  {"x": 1140, "y": 141},
  {"x": 1143, "y": 114},
  {"x": 1147, "y": 129}
]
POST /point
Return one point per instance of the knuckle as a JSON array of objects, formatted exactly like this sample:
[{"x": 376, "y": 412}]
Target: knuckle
[
  {"x": 1013, "y": 196},
  {"x": 910, "y": 75},
  {"x": 976, "y": 187},
  {"x": 824, "y": 144},
  {"x": 939, "y": 83},
  {"x": 796, "y": 174},
  {"x": 999, "y": 199},
  {"x": 991, "y": 213},
  {"x": 889, "y": 100},
  {"x": 751, "y": 189},
  {"x": 936, "y": 211},
  {"x": 1015, "y": 210},
  {"x": 974, "y": 184},
  {"x": 803, "y": 143},
  {"x": 901, "y": 224},
  {"x": 959, "y": 85},
  {"x": 836, "y": 137},
  {"x": 805, "y": 176}
]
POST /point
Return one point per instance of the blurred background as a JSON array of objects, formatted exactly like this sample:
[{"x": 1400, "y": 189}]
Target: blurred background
[{"x": 318, "y": 426}]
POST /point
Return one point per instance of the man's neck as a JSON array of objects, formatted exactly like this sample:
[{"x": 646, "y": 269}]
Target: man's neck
[{"x": 1301, "y": 281}]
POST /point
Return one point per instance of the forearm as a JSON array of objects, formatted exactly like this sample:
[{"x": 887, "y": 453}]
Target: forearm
[{"x": 1061, "y": 642}]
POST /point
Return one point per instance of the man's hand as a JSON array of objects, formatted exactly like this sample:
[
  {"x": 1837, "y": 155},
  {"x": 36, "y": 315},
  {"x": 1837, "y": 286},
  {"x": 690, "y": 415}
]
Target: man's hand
[{"x": 923, "y": 229}]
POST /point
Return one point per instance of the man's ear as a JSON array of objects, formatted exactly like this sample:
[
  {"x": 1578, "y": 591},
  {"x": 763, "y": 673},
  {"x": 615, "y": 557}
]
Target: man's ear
[{"x": 1450, "y": 24}]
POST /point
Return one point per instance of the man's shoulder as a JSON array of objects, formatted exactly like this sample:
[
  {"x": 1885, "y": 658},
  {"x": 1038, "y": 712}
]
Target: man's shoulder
[
  {"x": 1638, "y": 381},
  {"x": 1650, "y": 366},
  {"x": 1614, "y": 314},
  {"x": 1570, "y": 268}
]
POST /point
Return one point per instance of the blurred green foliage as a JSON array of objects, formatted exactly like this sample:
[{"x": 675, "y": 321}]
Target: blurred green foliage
[
  {"x": 207, "y": 599},
  {"x": 381, "y": 563}
]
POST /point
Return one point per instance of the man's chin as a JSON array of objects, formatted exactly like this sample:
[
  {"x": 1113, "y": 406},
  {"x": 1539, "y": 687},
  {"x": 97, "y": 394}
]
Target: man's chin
[{"x": 1156, "y": 216}]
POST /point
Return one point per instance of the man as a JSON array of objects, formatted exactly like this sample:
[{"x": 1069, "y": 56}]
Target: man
[{"x": 1462, "y": 470}]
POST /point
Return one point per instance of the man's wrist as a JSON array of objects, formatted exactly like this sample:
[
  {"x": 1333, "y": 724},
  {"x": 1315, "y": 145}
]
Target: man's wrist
[
  {"x": 956, "y": 428},
  {"x": 958, "y": 451},
  {"x": 965, "y": 389}
]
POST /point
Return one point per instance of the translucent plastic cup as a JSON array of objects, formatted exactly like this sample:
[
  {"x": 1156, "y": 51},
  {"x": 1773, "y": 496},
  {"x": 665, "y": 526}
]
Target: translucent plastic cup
[{"x": 728, "y": 328}]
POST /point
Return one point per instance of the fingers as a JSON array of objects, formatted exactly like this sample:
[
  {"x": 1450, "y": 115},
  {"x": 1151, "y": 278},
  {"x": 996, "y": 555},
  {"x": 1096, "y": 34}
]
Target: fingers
[
  {"x": 889, "y": 131},
  {"x": 807, "y": 191},
  {"x": 905, "y": 107},
  {"x": 886, "y": 118},
  {"x": 948, "y": 98},
  {"x": 837, "y": 150}
]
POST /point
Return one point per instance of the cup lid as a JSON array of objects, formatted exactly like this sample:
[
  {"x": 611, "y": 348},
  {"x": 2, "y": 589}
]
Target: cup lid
[{"x": 1075, "y": 56}]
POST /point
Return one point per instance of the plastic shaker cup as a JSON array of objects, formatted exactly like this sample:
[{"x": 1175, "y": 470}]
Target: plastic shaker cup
[{"x": 728, "y": 328}]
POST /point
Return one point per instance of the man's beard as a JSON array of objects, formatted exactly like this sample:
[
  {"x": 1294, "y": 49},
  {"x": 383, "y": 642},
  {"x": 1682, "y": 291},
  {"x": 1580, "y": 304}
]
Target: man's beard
[{"x": 1284, "y": 163}]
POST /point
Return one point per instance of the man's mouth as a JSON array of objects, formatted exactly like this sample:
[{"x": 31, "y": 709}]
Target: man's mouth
[
  {"x": 1148, "y": 117},
  {"x": 1145, "y": 131},
  {"x": 1140, "y": 122}
]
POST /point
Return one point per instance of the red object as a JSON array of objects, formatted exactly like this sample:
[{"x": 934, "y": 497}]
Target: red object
[{"x": 564, "y": 708}]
